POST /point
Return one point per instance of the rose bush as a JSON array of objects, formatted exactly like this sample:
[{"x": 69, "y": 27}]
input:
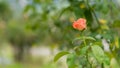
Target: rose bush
[{"x": 86, "y": 54}]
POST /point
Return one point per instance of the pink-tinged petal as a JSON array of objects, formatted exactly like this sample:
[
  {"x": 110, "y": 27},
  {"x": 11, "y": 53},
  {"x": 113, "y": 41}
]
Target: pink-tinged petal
[{"x": 80, "y": 24}]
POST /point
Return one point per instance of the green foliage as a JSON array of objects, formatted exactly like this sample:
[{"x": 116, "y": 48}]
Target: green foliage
[
  {"x": 116, "y": 23},
  {"x": 5, "y": 11},
  {"x": 84, "y": 50},
  {"x": 51, "y": 21},
  {"x": 100, "y": 55},
  {"x": 71, "y": 61},
  {"x": 59, "y": 55},
  {"x": 114, "y": 63},
  {"x": 84, "y": 38}
]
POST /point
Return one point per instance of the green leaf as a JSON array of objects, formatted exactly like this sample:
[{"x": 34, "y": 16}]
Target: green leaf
[
  {"x": 100, "y": 55},
  {"x": 89, "y": 38},
  {"x": 116, "y": 23},
  {"x": 71, "y": 61},
  {"x": 82, "y": 38},
  {"x": 83, "y": 51},
  {"x": 27, "y": 8},
  {"x": 114, "y": 63},
  {"x": 60, "y": 54}
]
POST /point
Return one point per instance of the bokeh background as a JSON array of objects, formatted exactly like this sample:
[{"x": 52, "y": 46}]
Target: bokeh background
[{"x": 33, "y": 31}]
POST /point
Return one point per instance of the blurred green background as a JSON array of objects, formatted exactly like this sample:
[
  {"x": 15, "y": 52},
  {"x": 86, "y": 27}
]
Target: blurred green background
[{"x": 33, "y": 31}]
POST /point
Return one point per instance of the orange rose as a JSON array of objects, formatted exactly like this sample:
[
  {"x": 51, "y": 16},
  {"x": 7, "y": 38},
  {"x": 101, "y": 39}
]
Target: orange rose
[{"x": 80, "y": 24}]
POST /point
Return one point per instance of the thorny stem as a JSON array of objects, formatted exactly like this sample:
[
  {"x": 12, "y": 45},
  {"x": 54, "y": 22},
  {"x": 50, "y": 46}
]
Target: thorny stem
[
  {"x": 84, "y": 40},
  {"x": 87, "y": 55}
]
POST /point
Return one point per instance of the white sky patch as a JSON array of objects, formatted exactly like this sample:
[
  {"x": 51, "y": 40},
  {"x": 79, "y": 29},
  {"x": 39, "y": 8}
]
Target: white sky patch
[{"x": 23, "y": 3}]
